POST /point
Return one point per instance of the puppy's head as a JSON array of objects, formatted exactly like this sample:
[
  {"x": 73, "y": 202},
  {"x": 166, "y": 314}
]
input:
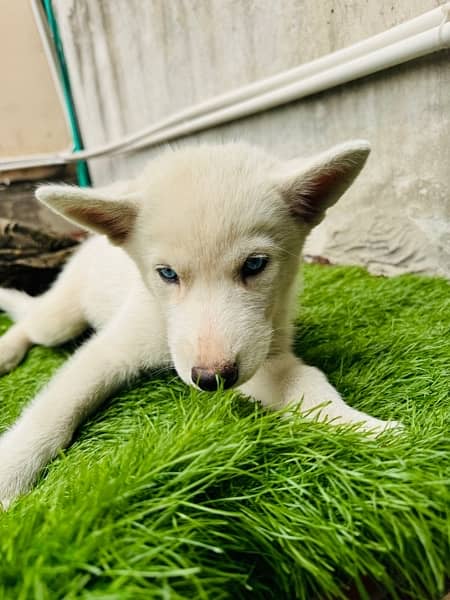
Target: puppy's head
[{"x": 217, "y": 232}]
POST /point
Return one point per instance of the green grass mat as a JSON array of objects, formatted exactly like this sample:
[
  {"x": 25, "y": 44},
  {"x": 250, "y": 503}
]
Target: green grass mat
[{"x": 173, "y": 493}]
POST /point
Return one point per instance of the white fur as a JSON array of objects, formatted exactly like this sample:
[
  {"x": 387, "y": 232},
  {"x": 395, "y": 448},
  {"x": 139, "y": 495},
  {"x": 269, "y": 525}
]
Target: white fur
[{"x": 202, "y": 211}]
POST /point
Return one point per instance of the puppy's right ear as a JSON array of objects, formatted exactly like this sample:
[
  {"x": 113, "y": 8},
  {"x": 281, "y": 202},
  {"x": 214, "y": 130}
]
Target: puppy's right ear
[{"x": 103, "y": 211}]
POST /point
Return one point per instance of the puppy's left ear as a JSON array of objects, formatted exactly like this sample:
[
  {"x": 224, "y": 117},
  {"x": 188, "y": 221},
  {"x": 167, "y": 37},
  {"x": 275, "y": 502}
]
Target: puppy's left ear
[
  {"x": 310, "y": 187},
  {"x": 110, "y": 211}
]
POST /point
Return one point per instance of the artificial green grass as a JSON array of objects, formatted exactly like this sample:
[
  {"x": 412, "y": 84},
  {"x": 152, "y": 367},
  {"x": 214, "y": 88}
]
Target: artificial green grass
[{"x": 172, "y": 493}]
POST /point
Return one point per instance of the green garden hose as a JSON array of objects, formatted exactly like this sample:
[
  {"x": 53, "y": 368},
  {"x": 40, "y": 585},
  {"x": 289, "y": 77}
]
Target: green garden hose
[{"x": 81, "y": 166}]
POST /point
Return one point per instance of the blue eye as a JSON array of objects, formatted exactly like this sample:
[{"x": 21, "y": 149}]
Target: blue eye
[
  {"x": 253, "y": 265},
  {"x": 168, "y": 274}
]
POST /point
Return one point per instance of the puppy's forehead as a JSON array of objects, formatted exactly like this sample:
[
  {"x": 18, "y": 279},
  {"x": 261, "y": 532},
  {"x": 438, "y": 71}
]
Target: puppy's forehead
[{"x": 213, "y": 195}]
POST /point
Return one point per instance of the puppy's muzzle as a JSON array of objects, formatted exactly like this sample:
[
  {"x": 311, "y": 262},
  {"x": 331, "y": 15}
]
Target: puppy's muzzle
[{"x": 209, "y": 379}]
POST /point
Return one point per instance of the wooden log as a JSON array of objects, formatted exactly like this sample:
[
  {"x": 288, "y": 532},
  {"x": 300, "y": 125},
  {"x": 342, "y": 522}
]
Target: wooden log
[{"x": 29, "y": 258}]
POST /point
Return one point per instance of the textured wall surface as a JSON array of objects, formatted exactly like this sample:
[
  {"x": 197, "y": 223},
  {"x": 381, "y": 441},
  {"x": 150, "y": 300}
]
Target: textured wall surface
[{"x": 133, "y": 62}]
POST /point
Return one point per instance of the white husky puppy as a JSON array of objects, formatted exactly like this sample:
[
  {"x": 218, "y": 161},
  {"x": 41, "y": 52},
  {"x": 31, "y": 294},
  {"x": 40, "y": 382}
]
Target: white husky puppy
[{"x": 195, "y": 267}]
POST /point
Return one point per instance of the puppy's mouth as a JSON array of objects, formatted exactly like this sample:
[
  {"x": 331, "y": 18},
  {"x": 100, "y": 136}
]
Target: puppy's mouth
[{"x": 210, "y": 379}]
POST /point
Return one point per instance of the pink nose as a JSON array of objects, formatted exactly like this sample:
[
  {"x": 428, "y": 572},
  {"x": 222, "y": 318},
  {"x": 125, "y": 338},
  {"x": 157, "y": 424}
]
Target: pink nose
[{"x": 209, "y": 379}]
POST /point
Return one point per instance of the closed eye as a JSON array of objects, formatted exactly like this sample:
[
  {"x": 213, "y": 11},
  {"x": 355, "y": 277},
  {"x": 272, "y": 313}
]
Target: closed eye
[{"x": 254, "y": 265}]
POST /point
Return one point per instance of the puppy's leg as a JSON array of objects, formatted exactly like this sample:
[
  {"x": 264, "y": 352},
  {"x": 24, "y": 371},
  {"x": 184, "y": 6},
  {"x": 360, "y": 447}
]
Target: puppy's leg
[
  {"x": 50, "y": 319},
  {"x": 13, "y": 347},
  {"x": 57, "y": 316},
  {"x": 15, "y": 342},
  {"x": 48, "y": 423},
  {"x": 15, "y": 303},
  {"x": 285, "y": 381}
]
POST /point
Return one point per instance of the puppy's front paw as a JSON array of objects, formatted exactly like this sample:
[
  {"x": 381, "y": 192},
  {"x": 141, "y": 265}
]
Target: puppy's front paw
[
  {"x": 13, "y": 346},
  {"x": 10, "y": 357},
  {"x": 10, "y": 487},
  {"x": 7, "y": 496},
  {"x": 17, "y": 468},
  {"x": 394, "y": 425},
  {"x": 375, "y": 427}
]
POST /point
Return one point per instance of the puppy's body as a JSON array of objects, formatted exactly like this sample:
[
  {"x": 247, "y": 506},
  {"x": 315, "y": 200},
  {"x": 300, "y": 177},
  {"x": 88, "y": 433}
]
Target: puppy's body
[{"x": 196, "y": 269}]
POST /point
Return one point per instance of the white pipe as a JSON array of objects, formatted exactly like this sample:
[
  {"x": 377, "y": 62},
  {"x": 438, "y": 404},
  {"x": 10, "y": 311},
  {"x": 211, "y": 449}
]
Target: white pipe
[
  {"x": 34, "y": 161},
  {"x": 367, "y": 57},
  {"x": 395, "y": 34},
  {"x": 395, "y": 54}
]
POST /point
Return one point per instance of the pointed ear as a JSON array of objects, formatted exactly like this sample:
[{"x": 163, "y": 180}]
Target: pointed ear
[
  {"x": 310, "y": 187},
  {"x": 99, "y": 210}
]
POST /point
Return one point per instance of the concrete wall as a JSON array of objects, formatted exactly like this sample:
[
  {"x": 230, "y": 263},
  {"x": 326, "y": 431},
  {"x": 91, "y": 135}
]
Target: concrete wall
[
  {"x": 31, "y": 116},
  {"x": 133, "y": 62}
]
